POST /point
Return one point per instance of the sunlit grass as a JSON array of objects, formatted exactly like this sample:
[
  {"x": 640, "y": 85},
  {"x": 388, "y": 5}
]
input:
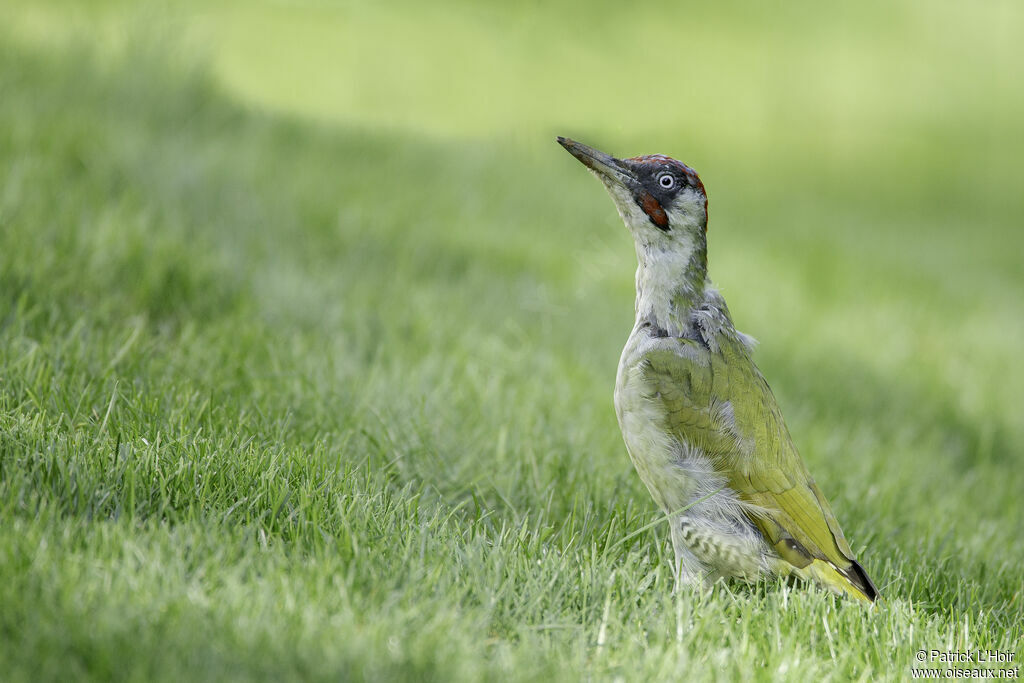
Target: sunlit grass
[{"x": 307, "y": 343}]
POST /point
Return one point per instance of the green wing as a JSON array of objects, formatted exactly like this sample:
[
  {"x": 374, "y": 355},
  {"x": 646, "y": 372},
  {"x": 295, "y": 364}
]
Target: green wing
[{"x": 718, "y": 401}]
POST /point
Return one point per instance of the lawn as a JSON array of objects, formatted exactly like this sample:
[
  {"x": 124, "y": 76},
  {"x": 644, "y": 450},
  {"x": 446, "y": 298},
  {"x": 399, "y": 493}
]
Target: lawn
[{"x": 308, "y": 333}]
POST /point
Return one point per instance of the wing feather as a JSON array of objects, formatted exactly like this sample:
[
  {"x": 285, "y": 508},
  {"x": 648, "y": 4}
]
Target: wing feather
[{"x": 725, "y": 406}]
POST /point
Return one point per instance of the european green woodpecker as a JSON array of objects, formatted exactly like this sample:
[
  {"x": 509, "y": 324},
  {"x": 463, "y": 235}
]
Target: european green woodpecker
[{"x": 700, "y": 423}]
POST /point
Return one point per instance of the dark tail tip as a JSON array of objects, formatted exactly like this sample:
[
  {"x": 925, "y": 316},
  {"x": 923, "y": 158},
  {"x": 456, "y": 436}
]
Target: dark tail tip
[{"x": 859, "y": 578}]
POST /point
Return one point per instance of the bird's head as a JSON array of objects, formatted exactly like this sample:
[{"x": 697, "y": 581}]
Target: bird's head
[{"x": 661, "y": 200}]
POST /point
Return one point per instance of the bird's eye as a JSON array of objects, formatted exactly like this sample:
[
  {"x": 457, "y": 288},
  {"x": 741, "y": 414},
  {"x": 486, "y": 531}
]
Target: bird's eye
[{"x": 666, "y": 181}]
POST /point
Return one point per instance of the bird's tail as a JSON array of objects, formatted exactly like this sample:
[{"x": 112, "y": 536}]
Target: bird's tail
[{"x": 852, "y": 581}]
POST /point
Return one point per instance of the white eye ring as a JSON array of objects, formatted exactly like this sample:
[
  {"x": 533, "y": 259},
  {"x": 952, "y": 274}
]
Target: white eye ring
[{"x": 666, "y": 181}]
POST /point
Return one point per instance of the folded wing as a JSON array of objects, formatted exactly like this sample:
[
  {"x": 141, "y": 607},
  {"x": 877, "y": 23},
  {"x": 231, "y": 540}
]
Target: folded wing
[{"x": 717, "y": 400}]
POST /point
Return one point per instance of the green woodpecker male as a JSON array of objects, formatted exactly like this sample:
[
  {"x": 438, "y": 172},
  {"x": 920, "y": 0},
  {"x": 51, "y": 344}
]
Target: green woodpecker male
[{"x": 699, "y": 421}]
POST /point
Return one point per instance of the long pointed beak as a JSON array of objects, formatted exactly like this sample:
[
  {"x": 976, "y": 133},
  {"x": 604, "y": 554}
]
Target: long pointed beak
[{"x": 603, "y": 165}]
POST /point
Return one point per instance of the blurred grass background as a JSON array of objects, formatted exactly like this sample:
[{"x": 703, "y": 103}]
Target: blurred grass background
[{"x": 308, "y": 331}]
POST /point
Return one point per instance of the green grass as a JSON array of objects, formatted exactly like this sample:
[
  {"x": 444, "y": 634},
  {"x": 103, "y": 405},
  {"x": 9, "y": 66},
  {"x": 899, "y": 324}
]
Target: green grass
[{"x": 307, "y": 343}]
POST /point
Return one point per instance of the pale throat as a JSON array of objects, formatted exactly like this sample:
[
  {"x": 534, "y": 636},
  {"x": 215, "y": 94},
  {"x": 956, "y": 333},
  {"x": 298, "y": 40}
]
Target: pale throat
[{"x": 670, "y": 283}]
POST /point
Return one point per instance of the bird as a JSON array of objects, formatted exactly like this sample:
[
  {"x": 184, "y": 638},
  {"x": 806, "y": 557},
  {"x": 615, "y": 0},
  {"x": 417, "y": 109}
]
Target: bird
[{"x": 700, "y": 423}]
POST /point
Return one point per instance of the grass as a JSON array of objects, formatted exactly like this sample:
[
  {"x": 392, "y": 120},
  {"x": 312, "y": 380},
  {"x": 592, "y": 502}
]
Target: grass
[{"x": 307, "y": 344}]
